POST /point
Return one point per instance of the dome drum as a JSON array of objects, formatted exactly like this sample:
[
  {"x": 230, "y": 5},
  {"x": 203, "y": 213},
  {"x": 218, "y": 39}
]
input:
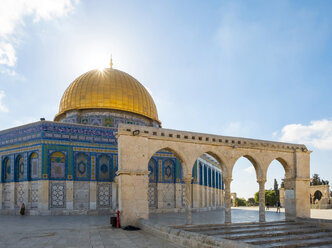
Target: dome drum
[{"x": 107, "y": 118}]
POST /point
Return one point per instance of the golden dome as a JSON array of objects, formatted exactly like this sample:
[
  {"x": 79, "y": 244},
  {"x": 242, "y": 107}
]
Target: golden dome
[{"x": 108, "y": 89}]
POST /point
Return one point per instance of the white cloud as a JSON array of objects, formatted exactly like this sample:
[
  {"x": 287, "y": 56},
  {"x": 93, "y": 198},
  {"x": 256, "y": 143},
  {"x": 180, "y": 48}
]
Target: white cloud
[
  {"x": 317, "y": 134},
  {"x": 250, "y": 170},
  {"x": 12, "y": 14},
  {"x": 3, "y": 108},
  {"x": 7, "y": 54}
]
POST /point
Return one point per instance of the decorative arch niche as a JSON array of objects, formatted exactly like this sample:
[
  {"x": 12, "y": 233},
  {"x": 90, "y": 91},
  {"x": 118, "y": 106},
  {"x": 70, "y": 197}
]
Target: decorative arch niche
[{"x": 58, "y": 165}]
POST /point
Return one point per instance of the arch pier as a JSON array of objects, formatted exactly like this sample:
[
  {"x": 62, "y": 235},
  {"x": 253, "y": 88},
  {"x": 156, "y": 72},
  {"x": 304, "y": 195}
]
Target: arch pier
[{"x": 137, "y": 144}]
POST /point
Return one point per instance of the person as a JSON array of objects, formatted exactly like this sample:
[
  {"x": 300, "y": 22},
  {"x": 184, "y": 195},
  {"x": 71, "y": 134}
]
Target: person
[
  {"x": 278, "y": 206},
  {"x": 267, "y": 206},
  {"x": 22, "y": 212}
]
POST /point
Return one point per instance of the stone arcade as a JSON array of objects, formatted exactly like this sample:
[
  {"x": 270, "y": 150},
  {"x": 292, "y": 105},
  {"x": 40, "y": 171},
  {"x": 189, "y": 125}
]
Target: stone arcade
[{"x": 106, "y": 150}]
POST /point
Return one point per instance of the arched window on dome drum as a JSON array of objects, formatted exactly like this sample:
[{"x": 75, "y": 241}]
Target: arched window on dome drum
[
  {"x": 81, "y": 166},
  {"x": 153, "y": 168},
  {"x": 104, "y": 168},
  {"x": 33, "y": 166},
  {"x": 19, "y": 168},
  {"x": 169, "y": 171},
  {"x": 6, "y": 170},
  {"x": 58, "y": 165}
]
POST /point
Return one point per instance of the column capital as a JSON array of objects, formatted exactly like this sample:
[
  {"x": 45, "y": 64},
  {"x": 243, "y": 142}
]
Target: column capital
[
  {"x": 227, "y": 180},
  {"x": 187, "y": 179},
  {"x": 263, "y": 181}
]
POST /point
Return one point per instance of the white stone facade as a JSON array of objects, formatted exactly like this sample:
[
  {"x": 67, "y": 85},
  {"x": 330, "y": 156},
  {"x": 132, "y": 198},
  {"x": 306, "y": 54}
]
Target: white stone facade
[{"x": 137, "y": 144}]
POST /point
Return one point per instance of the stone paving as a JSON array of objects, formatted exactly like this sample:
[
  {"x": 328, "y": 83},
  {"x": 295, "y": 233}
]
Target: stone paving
[
  {"x": 71, "y": 231},
  {"x": 215, "y": 217},
  {"x": 315, "y": 213},
  {"x": 95, "y": 231}
]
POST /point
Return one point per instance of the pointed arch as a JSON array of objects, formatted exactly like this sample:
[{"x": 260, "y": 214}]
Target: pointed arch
[
  {"x": 33, "y": 166},
  {"x": 58, "y": 165},
  {"x": 220, "y": 161},
  {"x": 19, "y": 168},
  {"x": 6, "y": 169},
  {"x": 289, "y": 171},
  {"x": 178, "y": 155},
  {"x": 254, "y": 160},
  {"x": 104, "y": 167},
  {"x": 81, "y": 166}
]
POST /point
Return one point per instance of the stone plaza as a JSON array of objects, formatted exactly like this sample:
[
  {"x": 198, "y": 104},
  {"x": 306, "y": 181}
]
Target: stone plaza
[
  {"x": 106, "y": 151},
  {"x": 95, "y": 231}
]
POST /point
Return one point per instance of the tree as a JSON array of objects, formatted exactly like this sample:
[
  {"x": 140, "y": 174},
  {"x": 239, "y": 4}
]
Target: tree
[
  {"x": 315, "y": 180},
  {"x": 251, "y": 202},
  {"x": 240, "y": 202},
  {"x": 282, "y": 185},
  {"x": 270, "y": 197},
  {"x": 276, "y": 188}
]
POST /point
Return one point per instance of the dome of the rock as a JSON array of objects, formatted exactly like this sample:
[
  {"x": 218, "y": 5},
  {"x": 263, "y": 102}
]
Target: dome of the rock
[{"x": 108, "y": 89}]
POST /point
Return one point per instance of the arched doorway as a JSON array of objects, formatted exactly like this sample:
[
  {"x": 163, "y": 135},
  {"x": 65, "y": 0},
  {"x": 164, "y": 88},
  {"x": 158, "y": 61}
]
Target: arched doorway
[
  {"x": 165, "y": 190},
  {"x": 207, "y": 185},
  {"x": 275, "y": 187},
  {"x": 317, "y": 196},
  {"x": 244, "y": 184}
]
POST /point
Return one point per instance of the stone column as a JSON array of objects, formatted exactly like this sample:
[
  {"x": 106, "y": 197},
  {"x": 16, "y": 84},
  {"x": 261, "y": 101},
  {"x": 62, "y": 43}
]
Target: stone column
[
  {"x": 261, "y": 183},
  {"x": 228, "y": 213},
  {"x": 133, "y": 196},
  {"x": 187, "y": 182},
  {"x": 297, "y": 189}
]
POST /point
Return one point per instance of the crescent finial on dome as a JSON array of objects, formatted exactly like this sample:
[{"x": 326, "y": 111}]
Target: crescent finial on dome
[{"x": 111, "y": 62}]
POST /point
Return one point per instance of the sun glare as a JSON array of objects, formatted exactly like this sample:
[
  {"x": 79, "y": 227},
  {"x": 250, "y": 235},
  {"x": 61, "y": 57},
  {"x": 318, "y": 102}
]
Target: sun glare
[{"x": 96, "y": 60}]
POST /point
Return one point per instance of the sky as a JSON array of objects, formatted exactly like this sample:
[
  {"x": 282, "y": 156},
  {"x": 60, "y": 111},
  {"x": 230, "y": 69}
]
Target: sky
[{"x": 255, "y": 69}]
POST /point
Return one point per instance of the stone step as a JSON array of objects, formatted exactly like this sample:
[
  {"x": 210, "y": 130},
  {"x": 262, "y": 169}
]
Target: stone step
[
  {"x": 254, "y": 230},
  {"x": 327, "y": 241},
  {"x": 232, "y": 224},
  {"x": 268, "y": 240},
  {"x": 199, "y": 228},
  {"x": 320, "y": 246},
  {"x": 270, "y": 234}
]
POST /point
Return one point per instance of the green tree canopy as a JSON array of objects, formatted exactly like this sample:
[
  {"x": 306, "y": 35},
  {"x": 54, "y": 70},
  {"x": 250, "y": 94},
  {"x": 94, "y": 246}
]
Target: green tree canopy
[
  {"x": 276, "y": 187},
  {"x": 316, "y": 180},
  {"x": 251, "y": 202},
  {"x": 270, "y": 197},
  {"x": 240, "y": 202}
]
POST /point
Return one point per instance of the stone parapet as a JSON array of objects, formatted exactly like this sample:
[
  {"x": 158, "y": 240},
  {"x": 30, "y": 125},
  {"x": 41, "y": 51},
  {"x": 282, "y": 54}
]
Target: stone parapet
[{"x": 184, "y": 136}]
